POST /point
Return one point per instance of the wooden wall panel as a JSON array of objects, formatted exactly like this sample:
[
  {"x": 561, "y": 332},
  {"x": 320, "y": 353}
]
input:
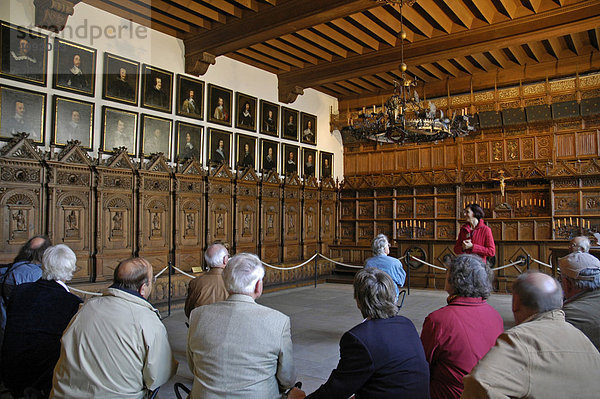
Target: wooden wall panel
[
  {"x": 292, "y": 227},
  {"x": 388, "y": 158},
  {"x": 587, "y": 143},
  {"x": 451, "y": 155},
  {"x": 438, "y": 157},
  {"x": 412, "y": 159},
  {"x": 327, "y": 217},
  {"x": 425, "y": 158},
  {"x": 189, "y": 216},
  {"x": 220, "y": 207},
  {"x": 247, "y": 209},
  {"x": 271, "y": 219},
  {"x": 310, "y": 217},
  {"x": 565, "y": 145}
]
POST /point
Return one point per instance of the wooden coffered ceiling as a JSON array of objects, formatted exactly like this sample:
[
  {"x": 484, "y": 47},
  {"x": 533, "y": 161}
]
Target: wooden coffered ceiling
[{"x": 351, "y": 49}]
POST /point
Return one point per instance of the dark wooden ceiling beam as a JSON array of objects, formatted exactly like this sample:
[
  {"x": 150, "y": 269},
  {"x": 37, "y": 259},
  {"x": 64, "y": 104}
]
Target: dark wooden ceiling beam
[
  {"x": 288, "y": 17},
  {"x": 573, "y": 18}
]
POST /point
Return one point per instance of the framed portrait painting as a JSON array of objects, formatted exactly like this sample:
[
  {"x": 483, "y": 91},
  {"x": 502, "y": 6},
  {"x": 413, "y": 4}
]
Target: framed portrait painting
[
  {"x": 289, "y": 123},
  {"x": 189, "y": 141},
  {"x": 219, "y": 105},
  {"x": 219, "y": 147},
  {"x": 119, "y": 129},
  {"x": 121, "y": 79},
  {"x": 308, "y": 128},
  {"x": 326, "y": 164},
  {"x": 157, "y": 88},
  {"x": 74, "y": 67},
  {"x": 24, "y": 54},
  {"x": 245, "y": 151},
  {"x": 190, "y": 97},
  {"x": 155, "y": 136},
  {"x": 72, "y": 120},
  {"x": 22, "y": 111},
  {"x": 245, "y": 112},
  {"x": 269, "y": 154},
  {"x": 309, "y": 162},
  {"x": 269, "y": 118},
  {"x": 289, "y": 158}
]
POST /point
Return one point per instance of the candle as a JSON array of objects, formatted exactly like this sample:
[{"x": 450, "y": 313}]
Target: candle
[
  {"x": 543, "y": 203},
  {"x": 425, "y": 225},
  {"x": 577, "y": 221},
  {"x": 530, "y": 201},
  {"x": 419, "y": 224},
  {"x": 553, "y": 225},
  {"x": 558, "y": 223},
  {"x": 564, "y": 221},
  {"x": 588, "y": 224},
  {"x": 401, "y": 225},
  {"x": 570, "y": 221},
  {"x": 373, "y": 108}
]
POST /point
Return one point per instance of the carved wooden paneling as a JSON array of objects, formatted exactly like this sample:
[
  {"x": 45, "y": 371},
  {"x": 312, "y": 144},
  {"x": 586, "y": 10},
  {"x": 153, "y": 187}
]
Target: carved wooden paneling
[
  {"x": 565, "y": 145},
  {"x": 566, "y": 203},
  {"x": 469, "y": 151},
  {"x": 438, "y": 157},
  {"x": 292, "y": 227},
  {"x": 365, "y": 232},
  {"x": 247, "y": 212},
  {"x": 412, "y": 159},
  {"x": 71, "y": 198},
  {"x": 425, "y": 207},
  {"x": 328, "y": 206},
  {"x": 527, "y": 148},
  {"x": 591, "y": 202},
  {"x": 21, "y": 195},
  {"x": 404, "y": 208},
  {"x": 220, "y": 207},
  {"x": 446, "y": 207},
  {"x": 116, "y": 216},
  {"x": 445, "y": 230},
  {"x": 310, "y": 217},
  {"x": 189, "y": 216},
  {"x": 271, "y": 219},
  {"x": 425, "y": 158},
  {"x": 388, "y": 159},
  {"x": 483, "y": 153},
  {"x": 365, "y": 209}
]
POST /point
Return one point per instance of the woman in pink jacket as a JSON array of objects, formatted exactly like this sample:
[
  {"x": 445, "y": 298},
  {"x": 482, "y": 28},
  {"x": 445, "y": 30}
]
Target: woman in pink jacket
[{"x": 475, "y": 237}]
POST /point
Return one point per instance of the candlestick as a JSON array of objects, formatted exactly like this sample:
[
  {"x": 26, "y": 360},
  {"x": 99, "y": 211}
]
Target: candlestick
[{"x": 588, "y": 224}]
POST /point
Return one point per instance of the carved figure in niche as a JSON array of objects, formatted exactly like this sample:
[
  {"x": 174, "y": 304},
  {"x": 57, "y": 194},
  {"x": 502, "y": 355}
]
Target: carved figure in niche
[
  {"x": 291, "y": 225},
  {"x": 246, "y": 224},
  {"x": 502, "y": 179},
  {"x": 220, "y": 224},
  {"x": 270, "y": 223},
  {"x": 72, "y": 224},
  {"x": 327, "y": 223},
  {"x": 190, "y": 222},
  {"x": 117, "y": 224},
  {"x": 309, "y": 222},
  {"x": 155, "y": 221},
  {"x": 19, "y": 219}
]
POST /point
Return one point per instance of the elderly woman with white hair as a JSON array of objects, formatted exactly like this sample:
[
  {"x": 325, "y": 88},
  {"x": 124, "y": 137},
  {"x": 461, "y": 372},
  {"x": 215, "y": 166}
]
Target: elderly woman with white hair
[
  {"x": 380, "y": 260},
  {"x": 37, "y": 315}
]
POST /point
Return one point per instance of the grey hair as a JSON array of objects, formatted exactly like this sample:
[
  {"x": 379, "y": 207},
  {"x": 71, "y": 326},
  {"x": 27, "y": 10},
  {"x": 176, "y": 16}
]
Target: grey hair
[
  {"x": 242, "y": 273},
  {"x": 379, "y": 243},
  {"x": 587, "y": 284},
  {"x": 470, "y": 277},
  {"x": 581, "y": 242},
  {"x": 532, "y": 294},
  {"x": 59, "y": 263},
  {"x": 214, "y": 255},
  {"x": 375, "y": 294}
]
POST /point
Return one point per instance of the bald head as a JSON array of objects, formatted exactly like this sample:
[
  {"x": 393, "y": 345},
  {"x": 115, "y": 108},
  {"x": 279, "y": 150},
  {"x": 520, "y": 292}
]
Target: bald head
[
  {"x": 580, "y": 244},
  {"x": 533, "y": 293},
  {"x": 33, "y": 250},
  {"x": 216, "y": 255},
  {"x": 134, "y": 274}
]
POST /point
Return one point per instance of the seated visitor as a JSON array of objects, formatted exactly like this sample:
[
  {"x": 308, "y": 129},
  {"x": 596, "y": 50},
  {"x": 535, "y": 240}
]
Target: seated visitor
[
  {"x": 458, "y": 335},
  {"x": 475, "y": 237},
  {"x": 380, "y": 260},
  {"x": 580, "y": 244},
  {"x": 116, "y": 346},
  {"x": 209, "y": 287},
  {"x": 238, "y": 349},
  {"x": 580, "y": 280},
  {"x": 37, "y": 315},
  {"x": 543, "y": 356},
  {"x": 382, "y": 357}
]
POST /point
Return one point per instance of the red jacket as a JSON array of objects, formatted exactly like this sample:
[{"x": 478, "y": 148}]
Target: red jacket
[
  {"x": 455, "y": 338},
  {"x": 481, "y": 237}
]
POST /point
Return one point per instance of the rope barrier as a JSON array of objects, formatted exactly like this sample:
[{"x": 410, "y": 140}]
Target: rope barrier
[
  {"x": 184, "y": 273},
  {"x": 292, "y": 267},
  {"x": 85, "y": 292},
  {"x": 161, "y": 272},
  {"x": 509, "y": 265},
  {"x": 428, "y": 264},
  {"x": 541, "y": 263},
  {"x": 340, "y": 263}
]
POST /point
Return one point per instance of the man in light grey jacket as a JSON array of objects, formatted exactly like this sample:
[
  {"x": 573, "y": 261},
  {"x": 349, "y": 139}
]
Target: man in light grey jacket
[
  {"x": 115, "y": 346},
  {"x": 238, "y": 349}
]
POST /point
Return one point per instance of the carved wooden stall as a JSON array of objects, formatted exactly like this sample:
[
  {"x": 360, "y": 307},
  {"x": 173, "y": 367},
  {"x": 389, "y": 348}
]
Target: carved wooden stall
[
  {"x": 22, "y": 197},
  {"x": 270, "y": 232},
  {"x": 292, "y": 209},
  {"x": 310, "y": 217},
  {"x": 220, "y": 215},
  {"x": 71, "y": 199},
  {"x": 116, "y": 224},
  {"x": 155, "y": 212},
  {"x": 247, "y": 211},
  {"x": 328, "y": 215},
  {"x": 189, "y": 215}
]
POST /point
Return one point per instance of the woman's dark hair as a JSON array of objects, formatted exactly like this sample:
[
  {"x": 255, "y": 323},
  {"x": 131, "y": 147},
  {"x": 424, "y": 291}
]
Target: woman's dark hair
[{"x": 477, "y": 211}]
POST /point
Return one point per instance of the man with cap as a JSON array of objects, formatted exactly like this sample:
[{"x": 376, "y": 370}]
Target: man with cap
[{"x": 580, "y": 273}]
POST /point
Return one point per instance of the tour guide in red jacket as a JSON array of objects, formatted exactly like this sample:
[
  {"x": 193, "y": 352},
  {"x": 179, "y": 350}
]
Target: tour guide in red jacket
[{"x": 475, "y": 237}]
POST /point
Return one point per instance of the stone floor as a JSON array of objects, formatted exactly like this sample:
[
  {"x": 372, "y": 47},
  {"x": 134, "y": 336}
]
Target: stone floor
[{"x": 319, "y": 318}]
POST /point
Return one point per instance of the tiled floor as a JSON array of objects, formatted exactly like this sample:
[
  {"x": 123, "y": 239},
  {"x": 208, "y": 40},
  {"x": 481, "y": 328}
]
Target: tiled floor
[{"x": 319, "y": 318}]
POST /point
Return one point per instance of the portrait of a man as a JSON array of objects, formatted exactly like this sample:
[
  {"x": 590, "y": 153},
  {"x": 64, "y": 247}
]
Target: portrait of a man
[
  {"x": 308, "y": 128},
  {"x": 22, "y": 111},
  {"x": 290, "y": 159},
  {"x": 121, "y": 79},
  {"x": 219, "y": 143},
  {"x": 289, "y": 124},
  {"x": 308, "y": 162},
  {"x": 189, "y": 141},
  {"x": 326, "y": 164},
  {"x": 269, "y": 155},
  {"x": 269, "y": 117},
  {"x": 74, "y": 67},
  {"x": 219, "y": 105},
  {"x": 158, "y": 88},
  {"x": 246, "y": 150},
  {"x": 73, "y": 120},
  {"x": 119, "y": 129},
  {"x": 246, "y": 112},
  {"x": 24, "y": 54},
  {"x": 190, "y": 94},
  {"x": 156, "y": 136}
]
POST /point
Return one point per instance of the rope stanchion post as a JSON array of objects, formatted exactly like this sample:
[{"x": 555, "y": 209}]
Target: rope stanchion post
[
  {"x": 407, "y": 259},
  {"x": 316, "y": 265},
  {"x": 528, "y": 261},
  {"x": 170, "y": 271}
]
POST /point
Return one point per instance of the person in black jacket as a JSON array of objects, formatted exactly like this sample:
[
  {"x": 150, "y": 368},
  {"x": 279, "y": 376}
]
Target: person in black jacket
[
  {"x": 382, "y": 357},
  {"x": 37, "y": 315}
]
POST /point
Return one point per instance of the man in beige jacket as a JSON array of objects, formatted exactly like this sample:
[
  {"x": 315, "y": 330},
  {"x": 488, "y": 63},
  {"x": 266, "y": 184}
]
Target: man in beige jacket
[
  {"x": 238, "y": 349},
  {"x": 543, "y": 356},
  {"x": 115, "y": 346},
  {"x": 209, "y": 287}
]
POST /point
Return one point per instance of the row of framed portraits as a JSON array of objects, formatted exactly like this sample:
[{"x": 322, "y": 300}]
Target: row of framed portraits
[
  {"x": 23, "y": 111},
  {"x": 24, "y": 57}
]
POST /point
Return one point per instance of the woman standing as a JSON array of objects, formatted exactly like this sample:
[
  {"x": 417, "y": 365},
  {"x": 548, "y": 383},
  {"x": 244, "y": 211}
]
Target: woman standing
[{"x": 475, "y": 237}]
